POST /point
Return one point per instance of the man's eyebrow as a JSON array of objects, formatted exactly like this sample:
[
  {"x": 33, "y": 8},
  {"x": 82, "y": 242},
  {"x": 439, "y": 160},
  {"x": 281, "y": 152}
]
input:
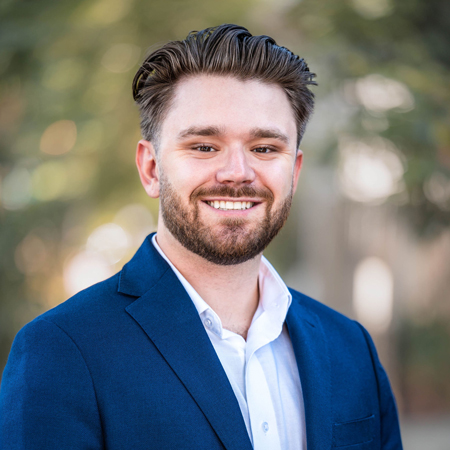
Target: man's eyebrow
[
  {"x": 270, "y": 133},
  {"x": 212, "y": 130},
  {"x": 200, "y": 131}
]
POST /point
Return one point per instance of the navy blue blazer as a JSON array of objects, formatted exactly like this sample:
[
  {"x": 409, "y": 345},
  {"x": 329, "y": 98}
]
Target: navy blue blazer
[{"x": 127, "y": 364}]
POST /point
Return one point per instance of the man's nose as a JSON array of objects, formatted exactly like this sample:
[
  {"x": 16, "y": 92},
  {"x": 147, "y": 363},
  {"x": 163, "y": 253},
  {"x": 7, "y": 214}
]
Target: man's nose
[{"x": 235, "y": 168}]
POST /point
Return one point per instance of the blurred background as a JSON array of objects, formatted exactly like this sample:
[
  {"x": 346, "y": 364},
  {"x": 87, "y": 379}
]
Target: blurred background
[{"x": 369, "y": 232}]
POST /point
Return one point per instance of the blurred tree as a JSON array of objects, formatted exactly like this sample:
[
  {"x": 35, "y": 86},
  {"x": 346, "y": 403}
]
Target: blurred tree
[{"x": 403, "y": 41}]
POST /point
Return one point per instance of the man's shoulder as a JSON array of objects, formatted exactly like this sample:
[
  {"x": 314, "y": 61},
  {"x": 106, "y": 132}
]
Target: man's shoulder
[
  {"x": 317, "y": 307},
  {"x": 95, "y": 307},
  {"x": 330, "y": 319},
  {"x": 345, "y": 336}
]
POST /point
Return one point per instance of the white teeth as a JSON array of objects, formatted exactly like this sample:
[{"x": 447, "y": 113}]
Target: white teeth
[{"x": 225, "y": 206}]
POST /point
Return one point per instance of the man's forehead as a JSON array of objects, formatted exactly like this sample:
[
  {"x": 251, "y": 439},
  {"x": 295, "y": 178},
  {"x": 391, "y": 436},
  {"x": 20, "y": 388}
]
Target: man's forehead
[
  {"x": 225, "y": 87},
  {"x": 216, "y": 105}
]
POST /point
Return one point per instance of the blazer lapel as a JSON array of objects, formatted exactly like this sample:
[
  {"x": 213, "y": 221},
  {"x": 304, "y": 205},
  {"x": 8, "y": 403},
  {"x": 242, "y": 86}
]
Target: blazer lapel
[
  {"x": 311, "y": 351},
  {"x": 169, "y": 318}
]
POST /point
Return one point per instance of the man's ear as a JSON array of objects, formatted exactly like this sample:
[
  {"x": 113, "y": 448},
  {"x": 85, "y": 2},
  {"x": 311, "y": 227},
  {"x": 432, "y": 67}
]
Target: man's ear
[
  {"x": 297, "y": 167},
  {"x": 148, "y": 168}
]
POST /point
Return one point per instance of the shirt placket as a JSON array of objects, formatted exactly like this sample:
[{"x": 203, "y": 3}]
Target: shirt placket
[{"x": 263, "y": 420}]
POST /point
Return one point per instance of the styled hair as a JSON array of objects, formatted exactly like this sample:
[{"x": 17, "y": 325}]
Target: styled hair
[{"x": 228, "y": 50}]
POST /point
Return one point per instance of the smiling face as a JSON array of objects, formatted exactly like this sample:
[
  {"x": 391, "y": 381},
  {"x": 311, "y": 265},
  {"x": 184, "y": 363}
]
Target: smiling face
[{"x": 226, "y": 166}]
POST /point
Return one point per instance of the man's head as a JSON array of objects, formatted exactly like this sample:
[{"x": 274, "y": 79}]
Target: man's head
[{"x": 227, "y": 131}]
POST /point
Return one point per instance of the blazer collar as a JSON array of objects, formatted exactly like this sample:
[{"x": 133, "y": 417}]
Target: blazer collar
[
  {"x": 167, "y": 315},
  {"x": 143, "y": 270},
  {"x": 313, "y": 360}
]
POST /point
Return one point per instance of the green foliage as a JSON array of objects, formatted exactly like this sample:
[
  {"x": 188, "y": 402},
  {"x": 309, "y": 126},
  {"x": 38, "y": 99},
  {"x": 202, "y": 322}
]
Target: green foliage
[
  {"x": 425, "y": 361},
  {"x": 407, "y": 42}
]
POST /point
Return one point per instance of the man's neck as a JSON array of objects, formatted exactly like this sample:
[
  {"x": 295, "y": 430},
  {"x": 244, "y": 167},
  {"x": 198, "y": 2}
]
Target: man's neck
[{"x": 231, "y": 291}]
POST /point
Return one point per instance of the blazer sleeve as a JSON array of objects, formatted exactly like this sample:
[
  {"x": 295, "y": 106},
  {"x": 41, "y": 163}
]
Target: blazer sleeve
[
  {"x": 390, "y": 429},
  {"x": 47, "y": 398}
]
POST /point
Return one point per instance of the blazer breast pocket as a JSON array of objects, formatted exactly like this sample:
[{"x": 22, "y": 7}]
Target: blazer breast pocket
[{"x": 360, "y": 431}]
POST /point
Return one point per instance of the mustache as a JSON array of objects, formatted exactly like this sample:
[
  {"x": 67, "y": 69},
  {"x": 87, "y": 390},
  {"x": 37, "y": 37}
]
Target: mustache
[{"x": 229, "y": 191}]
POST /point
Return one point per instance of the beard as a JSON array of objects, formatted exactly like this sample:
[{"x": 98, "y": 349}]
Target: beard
[{"x": 237, "y": 240}]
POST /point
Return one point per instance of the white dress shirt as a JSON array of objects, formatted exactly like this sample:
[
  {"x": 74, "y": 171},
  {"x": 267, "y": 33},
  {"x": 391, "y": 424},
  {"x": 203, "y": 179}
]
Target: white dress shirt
[{"x": 263, "y": 370}]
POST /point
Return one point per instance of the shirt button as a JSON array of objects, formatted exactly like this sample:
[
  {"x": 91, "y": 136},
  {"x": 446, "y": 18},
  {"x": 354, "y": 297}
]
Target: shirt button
[
  {"x": 265, "y": 427},
  {"x": 208, "y": 323}
]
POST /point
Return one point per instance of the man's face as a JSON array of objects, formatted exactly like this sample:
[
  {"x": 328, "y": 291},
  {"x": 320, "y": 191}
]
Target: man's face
[{"x": 227, "y": 166}]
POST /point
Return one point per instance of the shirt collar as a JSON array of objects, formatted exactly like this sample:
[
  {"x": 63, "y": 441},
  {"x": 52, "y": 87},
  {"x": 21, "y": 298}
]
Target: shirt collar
[{"x": 275, "y": 297}]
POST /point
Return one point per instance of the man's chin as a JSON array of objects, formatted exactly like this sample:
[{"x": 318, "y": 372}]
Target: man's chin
[{"x": 227, "y": 256}]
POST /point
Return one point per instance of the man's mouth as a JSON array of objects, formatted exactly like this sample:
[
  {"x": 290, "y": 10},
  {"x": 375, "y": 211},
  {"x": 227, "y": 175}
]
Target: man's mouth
[{"x": 228, "y": 206}]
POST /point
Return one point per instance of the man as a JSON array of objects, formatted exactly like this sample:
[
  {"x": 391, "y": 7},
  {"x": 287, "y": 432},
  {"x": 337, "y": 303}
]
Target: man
[{"x": 197, "y": 343}]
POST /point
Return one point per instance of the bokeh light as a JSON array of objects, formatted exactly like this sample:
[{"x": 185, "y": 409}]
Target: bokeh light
[
  {"x": 49, "y": 180},
  {"x": 378, "y": 93},
  {"x": 16, "y": 189},
  {"x": 437, "y": 190},
  {"x": 110, "y": 241},
  {"x": 85, "y": 269},
  {"x": 59, "y": 137},
  {"x": 369, "y": 171},
  {"x": 373, "y": 9},
  {"x": 138, "y": 222},
  {"x": 373, "y": 290}
]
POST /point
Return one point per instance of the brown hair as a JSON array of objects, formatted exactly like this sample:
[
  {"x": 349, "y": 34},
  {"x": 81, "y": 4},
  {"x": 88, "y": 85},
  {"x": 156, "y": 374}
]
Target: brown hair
[{"x": 228, "y": 50}]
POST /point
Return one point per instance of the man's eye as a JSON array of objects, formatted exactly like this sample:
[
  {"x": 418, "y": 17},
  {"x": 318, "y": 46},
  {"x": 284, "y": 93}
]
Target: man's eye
[
  {"x": 205, "y": 148},
  {"x": 262, "y": 150}
]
